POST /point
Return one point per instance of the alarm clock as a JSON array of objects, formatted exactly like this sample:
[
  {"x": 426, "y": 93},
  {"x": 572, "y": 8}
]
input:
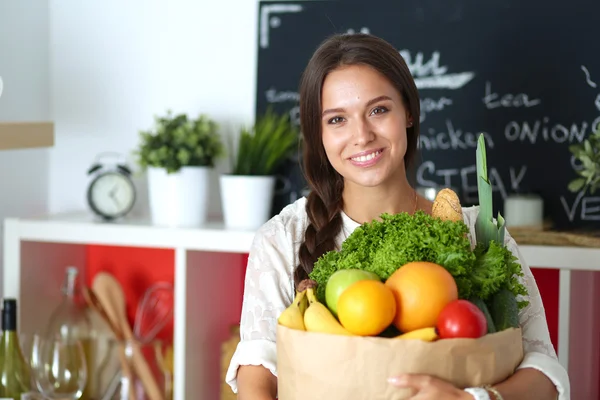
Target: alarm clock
[{"x": 111, "y": 193}]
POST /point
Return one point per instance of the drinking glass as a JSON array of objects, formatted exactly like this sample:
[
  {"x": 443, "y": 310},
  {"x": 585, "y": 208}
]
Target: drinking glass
[
  {"x": 58, "y": 367},
  {"x": 33, "y": 396}
]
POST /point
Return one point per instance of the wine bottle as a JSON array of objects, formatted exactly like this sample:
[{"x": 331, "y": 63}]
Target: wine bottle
[
  {"x": 15, "y": 373},
  {"x": 70, "y": 321}
]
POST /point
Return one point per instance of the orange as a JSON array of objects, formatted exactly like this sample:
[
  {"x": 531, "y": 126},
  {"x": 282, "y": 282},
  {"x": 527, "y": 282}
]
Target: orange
[
  {"x": 366, "y": 308},
  {"x": 421, "y": 290}
]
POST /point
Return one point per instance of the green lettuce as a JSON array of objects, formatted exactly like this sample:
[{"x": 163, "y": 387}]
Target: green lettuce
[
  {"x": 488, "y": 280},
  {"x": 384, "y": 246}
]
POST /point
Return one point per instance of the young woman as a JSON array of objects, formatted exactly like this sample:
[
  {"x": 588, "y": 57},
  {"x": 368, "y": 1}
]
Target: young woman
[{"x": 360, "y": 121}]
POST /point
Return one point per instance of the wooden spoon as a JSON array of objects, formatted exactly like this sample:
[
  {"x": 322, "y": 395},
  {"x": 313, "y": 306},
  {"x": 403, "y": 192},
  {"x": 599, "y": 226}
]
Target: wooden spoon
[
  {"x": 93, "y": 301},
  {"x": 110, "y": 293}
]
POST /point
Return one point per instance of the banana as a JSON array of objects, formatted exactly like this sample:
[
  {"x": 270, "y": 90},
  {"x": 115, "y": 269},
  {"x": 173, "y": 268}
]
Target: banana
[
  {"x": 318, "y": 318},
  {"x": 303, "y": 302},
  {"x": 425, "y": 334},
  {"x": 293, "y": 316}
]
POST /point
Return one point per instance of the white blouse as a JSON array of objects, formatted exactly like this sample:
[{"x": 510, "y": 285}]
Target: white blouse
[{"x": 269, "y": 289}]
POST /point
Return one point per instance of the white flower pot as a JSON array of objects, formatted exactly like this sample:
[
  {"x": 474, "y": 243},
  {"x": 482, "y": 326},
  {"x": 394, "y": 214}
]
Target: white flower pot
[
  {"x": 178, "y": 199},
  {"x": 246, "y": 200}
]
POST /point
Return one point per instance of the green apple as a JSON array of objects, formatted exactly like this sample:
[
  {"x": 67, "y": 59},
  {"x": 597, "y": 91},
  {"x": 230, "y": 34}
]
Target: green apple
[{"x": 340, "y": 280}]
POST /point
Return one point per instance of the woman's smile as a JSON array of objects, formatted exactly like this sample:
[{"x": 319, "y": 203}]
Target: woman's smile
[{"x": 367, "y": 158}]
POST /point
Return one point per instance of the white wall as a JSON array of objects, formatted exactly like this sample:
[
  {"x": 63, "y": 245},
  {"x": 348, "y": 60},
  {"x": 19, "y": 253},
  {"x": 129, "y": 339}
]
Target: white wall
[
  {"x": 100, "y": 70},
  {"x": 114, "y": 64},
  {"x": 24, "y": 70}
]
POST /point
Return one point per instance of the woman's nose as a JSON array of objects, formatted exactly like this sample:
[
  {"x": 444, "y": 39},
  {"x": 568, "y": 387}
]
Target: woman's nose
[{"x": 363, "y": 133}]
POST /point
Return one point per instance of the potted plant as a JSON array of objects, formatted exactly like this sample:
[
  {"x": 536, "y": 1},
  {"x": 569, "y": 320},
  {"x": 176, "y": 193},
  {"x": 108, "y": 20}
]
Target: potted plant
[
  {"x": 247, "y": 192},
  {"x": 588, "y": 155},
  {"x": 179, "y": 154}
]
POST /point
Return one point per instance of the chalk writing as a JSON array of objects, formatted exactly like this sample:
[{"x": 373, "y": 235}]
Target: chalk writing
[
  {"x": 420, "y": 68},
  {"x": 1, "y": 86},
  {"x": 591, "y": 83},
  {"x": 588, "y": 78},
  {"x": 275, "y": 22},
  {"x": 364, "y": 30},
  {"x": 589, "y": 207},
  {"x": 295, "y": 115},
  {"x": 431, "y": 75},
  {"x": 450, "y": 81},
  {"x": 273, "y": 96},
  {"x": 467, "y": 179},
  {"x": 428, "y": 105},
  {"x": 575, "y": 163},
  {"x": 494, "y": 100},
  {"x": 540, "y": 130},
  {"x": 267, "y": 20},
  {"x": 452, "y": 139},
  {"x": 515, "y": 178}
]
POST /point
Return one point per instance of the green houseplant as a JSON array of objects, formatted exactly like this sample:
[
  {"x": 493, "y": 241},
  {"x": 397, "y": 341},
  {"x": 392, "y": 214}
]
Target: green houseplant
[
  {"x": 177, "y": 141},
  {"x": 266, "y": 145},
  {"x": 588, "y": 154},
  {"x": 179, "y": 154},
  {"x": 247, "y": 192}
]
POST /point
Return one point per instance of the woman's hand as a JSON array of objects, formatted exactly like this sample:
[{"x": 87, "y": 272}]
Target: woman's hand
[{"x": 427, "y": 387}]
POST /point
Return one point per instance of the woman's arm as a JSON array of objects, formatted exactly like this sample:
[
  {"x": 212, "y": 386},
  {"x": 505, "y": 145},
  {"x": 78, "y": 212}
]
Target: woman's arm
[
  {"x": 268, "y": 290},
  {"x": 527, "y": 384},
  {"x": 540, "y": 375},
  {"x": 255, "y": 382}
]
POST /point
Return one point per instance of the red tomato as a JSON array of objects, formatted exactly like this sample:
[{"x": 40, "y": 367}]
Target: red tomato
[{"x": 461, "y": 319}]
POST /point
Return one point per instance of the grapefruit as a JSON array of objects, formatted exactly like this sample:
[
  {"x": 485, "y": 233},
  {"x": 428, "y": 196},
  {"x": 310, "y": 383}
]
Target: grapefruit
[
  {"x": 366, "y": 308},
  {"x": 421, "y": 290}
]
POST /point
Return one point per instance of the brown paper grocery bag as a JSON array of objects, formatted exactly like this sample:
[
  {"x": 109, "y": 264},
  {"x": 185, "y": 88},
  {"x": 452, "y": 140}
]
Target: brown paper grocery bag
[{"x": 331, "y": 367}]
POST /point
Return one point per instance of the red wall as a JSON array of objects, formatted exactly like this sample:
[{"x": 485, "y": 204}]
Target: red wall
[
  {"x": 548, "y": 283},
  {"x": 136, "y": 269}
]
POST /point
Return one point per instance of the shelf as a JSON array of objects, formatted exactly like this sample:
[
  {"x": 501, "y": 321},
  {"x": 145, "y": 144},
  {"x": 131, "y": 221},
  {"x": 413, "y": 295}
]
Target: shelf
[
  {"x": 208, "y": 267},
  {"x": 561, "y": 257},
  {"x": 26, "y": 135},
  {"x": 83, "y": 228}
]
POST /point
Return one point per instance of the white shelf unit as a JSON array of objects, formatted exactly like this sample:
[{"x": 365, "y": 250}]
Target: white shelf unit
[
  {"x": 208, "y": 262},
  {"x": 36, "y": 250}
]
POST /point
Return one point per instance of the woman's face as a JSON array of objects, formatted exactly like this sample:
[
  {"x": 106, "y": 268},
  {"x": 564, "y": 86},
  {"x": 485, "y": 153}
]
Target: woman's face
[{"x": 364, "y": 126}]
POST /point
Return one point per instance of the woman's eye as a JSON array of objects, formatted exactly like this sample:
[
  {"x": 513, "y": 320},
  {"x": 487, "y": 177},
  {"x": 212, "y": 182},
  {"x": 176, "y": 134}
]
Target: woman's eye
[
  {"x": 335, "y": 120},
  {"x": 379, "y": 110}
]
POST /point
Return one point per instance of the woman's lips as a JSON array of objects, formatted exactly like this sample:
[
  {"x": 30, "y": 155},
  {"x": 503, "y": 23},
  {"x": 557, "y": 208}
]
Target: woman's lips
[{"x": 366, "y": 159}]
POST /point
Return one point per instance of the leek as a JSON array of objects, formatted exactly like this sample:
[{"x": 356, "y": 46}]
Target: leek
[{"x": 486, "y": 229}]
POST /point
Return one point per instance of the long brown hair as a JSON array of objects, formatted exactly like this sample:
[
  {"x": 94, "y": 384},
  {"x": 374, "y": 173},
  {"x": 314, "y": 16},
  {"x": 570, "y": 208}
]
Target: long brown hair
[{"x": 324, "y": 201}]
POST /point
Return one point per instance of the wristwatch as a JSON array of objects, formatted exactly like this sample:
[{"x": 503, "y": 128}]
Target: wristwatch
[{"x": 478, "y": 393}]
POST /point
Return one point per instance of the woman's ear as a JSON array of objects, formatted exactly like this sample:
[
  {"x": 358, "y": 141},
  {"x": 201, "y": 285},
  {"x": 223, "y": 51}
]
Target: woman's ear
[{"x": 409, "y": 119}]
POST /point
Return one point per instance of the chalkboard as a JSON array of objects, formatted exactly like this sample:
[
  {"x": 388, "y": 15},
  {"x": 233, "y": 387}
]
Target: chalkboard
[{"x": 526, "y": 74}]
